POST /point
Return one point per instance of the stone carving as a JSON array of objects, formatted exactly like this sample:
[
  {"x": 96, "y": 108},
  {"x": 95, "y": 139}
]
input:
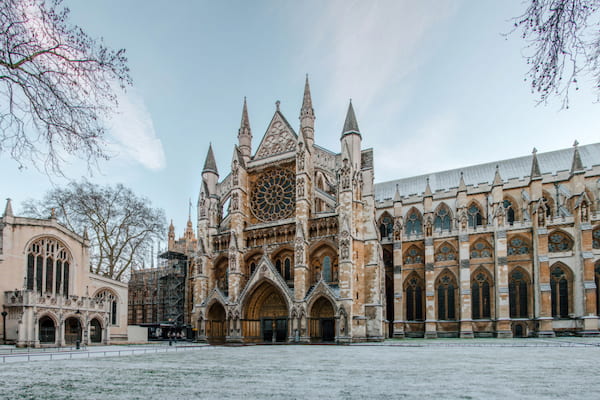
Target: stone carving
[
  {"x": 584, "y": 212},
  {"x": 235, "y": 173},
  {"x": 541, "y": 216},
  {"x": 398, "y": 228},
  {"x": 300, "y": 157},
  {"x": 300, "y": 187},
  {"x": 299, "y": 251},
  {"x": 500, "y": 213},
  {"x": 345, "y": 174},
  {"x": 428, "y": 226},
  {"x": 345, "y": 245},
  {"x": 277, "y": 140},
  {"x": 234, "y": 204}
]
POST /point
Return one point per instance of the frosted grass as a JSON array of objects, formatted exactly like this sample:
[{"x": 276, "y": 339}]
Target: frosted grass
[{"x": 407, "y": 369}]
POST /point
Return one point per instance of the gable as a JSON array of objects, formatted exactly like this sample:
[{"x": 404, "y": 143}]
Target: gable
[{"x": 279, "y": 138}]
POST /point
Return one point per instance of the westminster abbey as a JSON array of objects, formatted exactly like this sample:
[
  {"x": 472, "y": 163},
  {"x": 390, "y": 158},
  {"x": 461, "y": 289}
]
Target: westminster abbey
[{"x": 296, "y": 243}]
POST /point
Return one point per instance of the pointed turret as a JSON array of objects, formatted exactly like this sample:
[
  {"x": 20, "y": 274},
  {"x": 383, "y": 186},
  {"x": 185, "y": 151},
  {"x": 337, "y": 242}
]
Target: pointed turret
[
  {"x": 350, "y": 125},
  {"x": 210, "y": 175},
  {"x": 497, "y": 178},
  {"x": 576, "y": 165},
  {"x": 245, "y": 134},
  {"x": 397, "y": 196},
  {"x": 461, "y": 183},
  {"x": 210, "y": 165},
  {"x": 535, "y": 166},
  {"x": 8, "y": 212},
  {"x": 189, "y": 231},
  {"x": 428, "y": 192},
  {"x": 307, "y": 116}
]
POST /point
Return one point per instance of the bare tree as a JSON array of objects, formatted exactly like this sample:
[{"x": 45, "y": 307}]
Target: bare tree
[
  {"x": 57, "y": 85},
  {"x": 564, "y": 39},
  {"x": 121, "y": 226}
]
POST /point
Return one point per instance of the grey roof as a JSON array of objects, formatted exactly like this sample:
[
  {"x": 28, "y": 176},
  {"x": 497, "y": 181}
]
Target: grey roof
[
  {"x": 350, "y": 125},
  {"x": 514, "y": 168}
]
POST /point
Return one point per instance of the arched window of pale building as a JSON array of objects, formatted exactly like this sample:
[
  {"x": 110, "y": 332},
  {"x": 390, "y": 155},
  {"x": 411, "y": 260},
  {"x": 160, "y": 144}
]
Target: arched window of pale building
[
  {"x": 509, "y": 209},
  {"x": 386, "y": 226},
  {"x": 414, "y": 294},
  {"x": 110, "y": 298},
  {"x": 445, "y": 252},
  {"x": 443, "y": 218},
  {"x": 559, "y": 241},
  {"x": 481, "y": 249},
  {"x": 48, "y": 266},
  {"x": 474, "y": 215},
  {"x": 414, "y": 255},
  {"x": 518, "y": 245}
]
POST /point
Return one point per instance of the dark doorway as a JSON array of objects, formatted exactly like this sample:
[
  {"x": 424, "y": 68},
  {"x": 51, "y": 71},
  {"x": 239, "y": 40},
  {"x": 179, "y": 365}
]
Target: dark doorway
[
  {"x": 328, "y": 329},
  {"x": 72, "y": 330},
  {"x": 47, "y": 330},
  {"x": 276, "y": 327},
  {"x": 519, "y": 331},
  {"x": 95, "y": 331}
]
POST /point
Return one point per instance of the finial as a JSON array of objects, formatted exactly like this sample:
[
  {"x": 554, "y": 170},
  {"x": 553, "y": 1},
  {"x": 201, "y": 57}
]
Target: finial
[
  {"x": 277, "y": 103},
  {"x": 534, "y": 151},
  {"x": 575, "y": 143}
]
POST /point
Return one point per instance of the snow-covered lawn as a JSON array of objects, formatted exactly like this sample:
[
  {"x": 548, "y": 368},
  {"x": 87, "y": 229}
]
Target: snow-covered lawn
[{"x": 438, "y": 369}]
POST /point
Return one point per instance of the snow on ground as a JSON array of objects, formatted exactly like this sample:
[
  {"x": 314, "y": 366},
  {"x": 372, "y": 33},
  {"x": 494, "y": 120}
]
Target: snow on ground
[{"x": 397, "y": 369}]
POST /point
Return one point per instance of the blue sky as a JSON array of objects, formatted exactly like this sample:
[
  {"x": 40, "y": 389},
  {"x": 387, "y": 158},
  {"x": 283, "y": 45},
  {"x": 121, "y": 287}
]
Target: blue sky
[{"x": 435, "y": 85}]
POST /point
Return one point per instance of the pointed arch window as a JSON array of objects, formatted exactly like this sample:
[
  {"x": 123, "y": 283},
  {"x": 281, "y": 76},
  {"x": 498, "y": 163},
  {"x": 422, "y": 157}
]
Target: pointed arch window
[
  {"x": 442, "y": 221},
  {"x": 414, "y": 299},
  {"x": 386, "y": 226},
  {"x": 560, "y": 286},
  {"x": 414, "y": 255},
  {"x": 518, "y": 285},
  {"x": 481, "y": 249},
  {"x": 558, "y": 242},
  {"x": 446, "y": 297},
  {"x": 517, "y": 246},
  {"x": 510, "y": 211},
  {"x": 445, "y": 253},
  {"x": 287, "y": 265},
  {"x": 480, "y": 295},
  {"x": 414, "y": 223},
  {"x": 48, "y": 262},
  {"x": 474, "y": 216},
  {"x": 597, "y": 279},
  {"x": 108, "y": 297},
  {"x": 596, "y": 238}
]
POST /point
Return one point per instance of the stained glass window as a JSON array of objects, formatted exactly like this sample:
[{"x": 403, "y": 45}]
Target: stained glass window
[
  {"x": 273, "y": 196},
  {"x": 517, "y": 294},
  {"x": 442, "y": 219},
  {"x": 559, "y": 285},
  {"x": 480, "y": 296},
  {"x": 48, "y": 266},
  {"x": 445, "y": 253},
  {"x": 446, "y": 297},
  {"x": 414, "y": 255},
  {"x": 474, "y": 214},
  {"x": 481, "y": 249},
  {"x": 517, "y": 246},
  {"x": 558, "y": 242},
  {"x": 596, "y": 238},
  {"x": 414, "y": 300},
  {"x": 414, "y": 223},
  {"x": 386, "y": 226}
]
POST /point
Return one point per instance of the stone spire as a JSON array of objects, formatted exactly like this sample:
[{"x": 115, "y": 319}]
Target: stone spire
[
  {"x": 461, "y": 184},
  {"x": 171, "y": 231},
  {"x": 245, "y": 134},
  {"x": 8, "y": 212},
  {"x": 210, "y": 165},
  {"x": 350, "y": 126},
  {"x": 535, "y": 166},
  {"x": 428, "y": 192},
  {"x": 497, "y": 178},
  {"x": 307, "y": 117},
  {"x": 576, "y": 165}
]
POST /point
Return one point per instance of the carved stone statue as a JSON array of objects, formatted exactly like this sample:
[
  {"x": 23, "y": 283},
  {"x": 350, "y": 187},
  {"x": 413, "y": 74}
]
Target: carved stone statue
[
  {"x": 398, "y": 229},
  {"x": 345, "y": 174}
]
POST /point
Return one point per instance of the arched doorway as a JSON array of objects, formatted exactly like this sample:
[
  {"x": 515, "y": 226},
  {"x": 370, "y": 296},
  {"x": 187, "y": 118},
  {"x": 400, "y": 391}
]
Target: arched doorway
[
  {"x": 47, "y": 330},
  {"x": 322, "y": 321},
  {"x": 95, "y": 331},
  {"x": 215, "y": 323},
  {"x": 72, "y": 330},
  {"x": 266, "y": 315}
]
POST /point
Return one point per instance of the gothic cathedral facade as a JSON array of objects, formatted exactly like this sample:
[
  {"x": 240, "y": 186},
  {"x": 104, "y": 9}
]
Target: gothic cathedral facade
[{"x": 298, "y": 244}]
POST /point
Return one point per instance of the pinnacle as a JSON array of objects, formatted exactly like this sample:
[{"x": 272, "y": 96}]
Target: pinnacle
[
  {"x": 210, "y": 165},
  {"x": 245, "y": 123},
  {"x": 8, "y": 212},
  {"x": 497, "y": 178},
  {"x": 350, "y": 126},
  {"x": 307, "y": 107},
  {"x": 577, "y": 164}
]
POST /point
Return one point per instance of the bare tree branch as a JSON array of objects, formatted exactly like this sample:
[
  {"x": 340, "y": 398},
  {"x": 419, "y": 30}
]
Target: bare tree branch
[{"x": 57, "y": 85}]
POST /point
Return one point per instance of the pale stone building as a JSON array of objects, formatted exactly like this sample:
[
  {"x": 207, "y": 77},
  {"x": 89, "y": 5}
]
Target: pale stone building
[
  {"x": 47, "y": 291},
  {"x": 297, "y": 243}
]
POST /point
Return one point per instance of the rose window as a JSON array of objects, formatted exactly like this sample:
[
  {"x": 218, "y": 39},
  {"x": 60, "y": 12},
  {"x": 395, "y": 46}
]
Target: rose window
[{"x": 273, "y": 197}]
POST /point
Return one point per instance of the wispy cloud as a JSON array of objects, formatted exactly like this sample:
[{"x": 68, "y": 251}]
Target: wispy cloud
[
  {"x": 372, "y": 45},
  {"x": 132, "y": 130}
]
